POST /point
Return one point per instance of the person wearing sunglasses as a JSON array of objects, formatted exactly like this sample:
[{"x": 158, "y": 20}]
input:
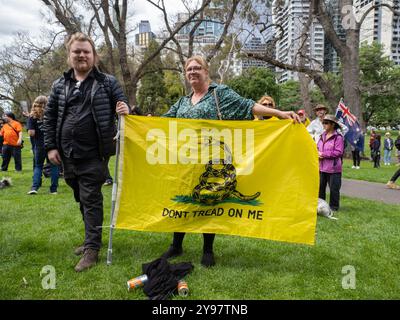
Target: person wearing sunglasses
[
  {"x": 330, "y": 152},
  {"x": 269, "y": 102},
  {"x": 209, "y": 100}
]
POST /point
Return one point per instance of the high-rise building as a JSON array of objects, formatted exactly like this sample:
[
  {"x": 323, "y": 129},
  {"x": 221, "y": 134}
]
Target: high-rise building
[
  {"x": 331, "y": 58},
  {"x": 207, "y": 33},
  {"x": 143, "y": 38},
  {"x": 144, "y": 26},
  {"x": 255, "y": 46},
  {"x": 292, "y": 16},
  {"x": 380, "y": 25}
]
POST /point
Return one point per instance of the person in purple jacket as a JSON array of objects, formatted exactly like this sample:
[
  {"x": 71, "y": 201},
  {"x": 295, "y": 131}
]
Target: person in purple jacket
[{"x": 330, "y": 151}]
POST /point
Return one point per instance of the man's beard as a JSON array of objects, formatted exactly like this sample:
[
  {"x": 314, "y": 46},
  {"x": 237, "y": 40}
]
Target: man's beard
[{"x": 85, "y": 67}]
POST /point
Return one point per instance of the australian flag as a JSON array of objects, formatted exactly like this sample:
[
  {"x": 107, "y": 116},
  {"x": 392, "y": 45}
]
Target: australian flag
[{"x": 350, "y": 120}]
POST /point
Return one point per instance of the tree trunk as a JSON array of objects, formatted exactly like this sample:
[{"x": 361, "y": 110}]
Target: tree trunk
[
  {"x": 351, "y": 76},
  {"x": 305, "y": 92}
]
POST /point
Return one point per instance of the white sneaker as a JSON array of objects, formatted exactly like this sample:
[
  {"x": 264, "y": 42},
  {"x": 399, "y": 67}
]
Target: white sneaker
[
  {"x": 353, "y": 167},
  {"x": 32, "y": 192},
  {"x": 357, "y": 167},
  {"x": 55, "y": 192}
]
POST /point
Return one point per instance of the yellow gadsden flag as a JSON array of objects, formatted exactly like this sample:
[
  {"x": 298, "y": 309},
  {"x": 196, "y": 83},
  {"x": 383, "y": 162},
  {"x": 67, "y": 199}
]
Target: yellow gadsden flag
[{"x": 248, "y": 178}]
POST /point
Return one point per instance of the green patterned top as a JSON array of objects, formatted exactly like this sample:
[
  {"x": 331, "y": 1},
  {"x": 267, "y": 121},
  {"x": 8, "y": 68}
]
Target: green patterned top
[{"x": 231, "y": 105}]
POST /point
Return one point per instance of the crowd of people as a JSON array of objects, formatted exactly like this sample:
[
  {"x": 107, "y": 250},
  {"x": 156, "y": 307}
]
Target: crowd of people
[{"x": 75, "y": 127}]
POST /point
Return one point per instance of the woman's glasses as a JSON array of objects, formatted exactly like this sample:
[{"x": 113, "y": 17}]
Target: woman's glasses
[
  {"x": 268, "y": 104},
  {"x": 326, "y": 122},
  {"x": 195, "y": 68}
]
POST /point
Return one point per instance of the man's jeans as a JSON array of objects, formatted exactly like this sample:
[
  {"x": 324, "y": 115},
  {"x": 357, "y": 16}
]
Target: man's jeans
[
  {"x": 7, "y": 152},
  {"x": 86, "y": 177},
  {"x": 39, "y": 154}
]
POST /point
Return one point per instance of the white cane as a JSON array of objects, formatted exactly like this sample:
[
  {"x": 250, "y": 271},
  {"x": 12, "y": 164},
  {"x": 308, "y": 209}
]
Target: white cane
[{"x": 114, "y": 193}]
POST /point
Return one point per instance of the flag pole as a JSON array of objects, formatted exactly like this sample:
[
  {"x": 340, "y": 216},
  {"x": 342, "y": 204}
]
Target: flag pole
[{"x": 114, "y": 193}]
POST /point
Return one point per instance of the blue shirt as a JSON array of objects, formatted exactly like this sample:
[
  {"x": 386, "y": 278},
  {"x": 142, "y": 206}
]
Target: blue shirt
[{"x": 232, "y": 106}]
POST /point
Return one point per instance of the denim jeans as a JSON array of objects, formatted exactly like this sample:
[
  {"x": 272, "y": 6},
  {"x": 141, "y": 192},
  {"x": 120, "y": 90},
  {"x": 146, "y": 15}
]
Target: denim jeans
[
  {"x": 7, "y": 153},
  {"x": 39, "y": 155},
  {"x": 387, "y": 156}
]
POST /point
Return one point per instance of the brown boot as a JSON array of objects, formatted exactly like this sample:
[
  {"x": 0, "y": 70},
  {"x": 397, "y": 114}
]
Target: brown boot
[
  {"x": 89, "y": 259},
  {"x": 79, "y": 250}
]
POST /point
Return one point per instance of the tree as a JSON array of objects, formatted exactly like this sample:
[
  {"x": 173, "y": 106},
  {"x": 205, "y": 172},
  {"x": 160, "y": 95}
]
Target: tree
[
  {"x": 254, "y": 83},
  {"x": 380, "y": 85},
  {"x": 28, "y": 70},
  {"x": 290, "y": 96},
  {"x": 112, "y": 19},
  {"x": 152, "y": 87},
  {"x": 222, "y": 12},
  {"x": 347, "y": 50}
]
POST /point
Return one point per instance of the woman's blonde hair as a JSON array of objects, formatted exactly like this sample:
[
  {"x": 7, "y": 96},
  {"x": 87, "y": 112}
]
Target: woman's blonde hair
[
  {"x": 200, "y": 60},
  {"x": 267, "y": 99},
  {"x": 38, "y": 107}
]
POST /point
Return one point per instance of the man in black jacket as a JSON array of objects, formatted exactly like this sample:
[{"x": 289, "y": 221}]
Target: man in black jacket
[{"x": 79, "y": 125}]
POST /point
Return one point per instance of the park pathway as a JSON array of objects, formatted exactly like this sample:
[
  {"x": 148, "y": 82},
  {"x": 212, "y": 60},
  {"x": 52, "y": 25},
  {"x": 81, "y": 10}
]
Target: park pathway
[{"x": 370, "y": 191}]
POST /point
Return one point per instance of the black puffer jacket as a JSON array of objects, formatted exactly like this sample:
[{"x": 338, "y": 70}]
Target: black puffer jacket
[{"x": 105, "y": 94}]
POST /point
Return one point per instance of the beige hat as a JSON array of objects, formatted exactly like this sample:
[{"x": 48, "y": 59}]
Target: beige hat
[
  {"x": 387, "y": 134},
  {"x": 331, "y": 118},
  {"x": 321, "y": 106}
]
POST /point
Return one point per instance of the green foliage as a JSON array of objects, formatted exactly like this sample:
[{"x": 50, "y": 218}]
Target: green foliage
[
  {"x": 290, "y": 96},
  {"x": 256, "y": 82},
  {"x": 174, "y": 87},
  {"x": 380, "y": 80},
  {"x": 152, "y": 91}
]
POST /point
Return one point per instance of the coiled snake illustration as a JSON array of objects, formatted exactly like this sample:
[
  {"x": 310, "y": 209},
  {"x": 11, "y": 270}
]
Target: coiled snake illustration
[{"x": 218, "y": 182}]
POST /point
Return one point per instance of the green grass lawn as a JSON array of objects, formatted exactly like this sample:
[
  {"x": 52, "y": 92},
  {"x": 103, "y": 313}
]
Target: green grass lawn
[
  {"x": 367, "y": 171},
  {"x": 42, "y": 230}
]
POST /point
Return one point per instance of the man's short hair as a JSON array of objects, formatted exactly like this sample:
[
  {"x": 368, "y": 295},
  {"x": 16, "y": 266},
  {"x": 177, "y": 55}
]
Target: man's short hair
[{"x": 10, "y": 115}]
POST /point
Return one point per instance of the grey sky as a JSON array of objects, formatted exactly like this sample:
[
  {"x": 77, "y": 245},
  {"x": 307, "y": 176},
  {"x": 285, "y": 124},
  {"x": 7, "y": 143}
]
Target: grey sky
[{"x": 16, "y": 15}]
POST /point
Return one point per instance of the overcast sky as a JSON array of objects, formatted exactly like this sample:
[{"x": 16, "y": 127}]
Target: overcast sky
[{"x": 16, "y": 15}]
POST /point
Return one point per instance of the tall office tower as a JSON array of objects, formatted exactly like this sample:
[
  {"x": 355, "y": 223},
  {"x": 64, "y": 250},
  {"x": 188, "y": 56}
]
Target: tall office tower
[
  {"x": 291, "y": 15},
  {"x": 256, "y": 46},
  {"x": 256, "y": 37},
  {"x": 207, "y": 33},
  {"x": 145, "y": 35},
  {"x": 381, "y": 26},
  {"x": 144, "y": 26}
]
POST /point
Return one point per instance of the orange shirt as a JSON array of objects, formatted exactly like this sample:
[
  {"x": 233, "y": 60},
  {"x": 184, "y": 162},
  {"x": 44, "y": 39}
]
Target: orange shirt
[{"x": 9, "y": 135}]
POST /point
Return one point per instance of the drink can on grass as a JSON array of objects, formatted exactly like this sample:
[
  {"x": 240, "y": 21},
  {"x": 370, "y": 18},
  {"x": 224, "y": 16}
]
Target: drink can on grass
[
  {"x": 137, "y": 282},
  {"x": 183, "y": 289}
]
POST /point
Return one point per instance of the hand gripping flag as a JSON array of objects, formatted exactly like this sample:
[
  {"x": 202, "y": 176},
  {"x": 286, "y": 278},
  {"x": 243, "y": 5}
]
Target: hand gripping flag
[
  {"x": 350, "y": 120},
  {"x": 248, "y": 178}
]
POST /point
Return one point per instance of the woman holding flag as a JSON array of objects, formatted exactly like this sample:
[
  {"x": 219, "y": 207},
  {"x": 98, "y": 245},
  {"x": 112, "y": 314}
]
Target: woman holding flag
[{"x": 209, "y": 100}]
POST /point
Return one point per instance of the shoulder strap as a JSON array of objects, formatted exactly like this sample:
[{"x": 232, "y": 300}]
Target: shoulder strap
[
  {"x": 217, "y": 104},
  {"x": 13, "y": 128}
]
